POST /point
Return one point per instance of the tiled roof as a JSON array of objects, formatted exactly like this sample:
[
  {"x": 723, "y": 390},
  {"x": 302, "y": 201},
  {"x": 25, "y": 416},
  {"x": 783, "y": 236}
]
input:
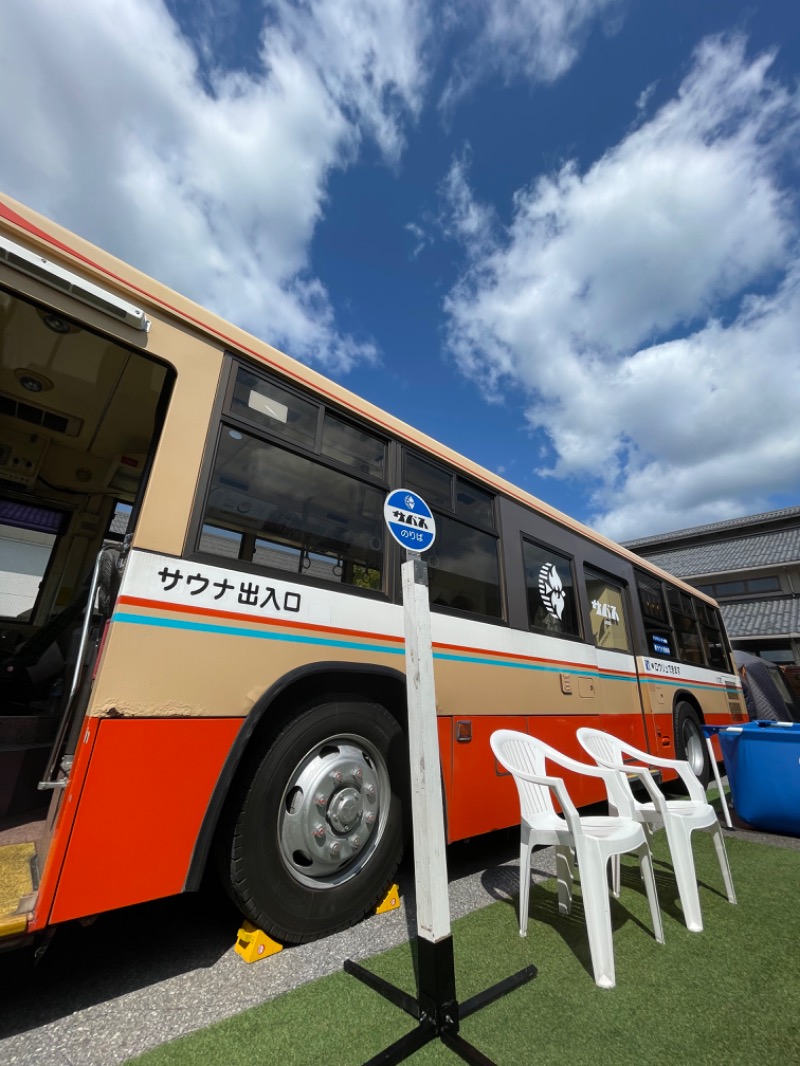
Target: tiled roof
[
  {"x": 756, "y": 618},
  {"x": 728, "y": 526},
  {"x": 739, "y": 553}
]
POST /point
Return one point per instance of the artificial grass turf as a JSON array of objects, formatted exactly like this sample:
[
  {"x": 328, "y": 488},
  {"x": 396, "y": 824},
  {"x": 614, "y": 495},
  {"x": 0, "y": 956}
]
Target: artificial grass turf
[{"x": 730, "y": 994}]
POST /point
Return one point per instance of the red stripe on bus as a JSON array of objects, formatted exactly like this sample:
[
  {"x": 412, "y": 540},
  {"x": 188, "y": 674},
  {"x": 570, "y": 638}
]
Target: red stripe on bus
[{"x": 235, "y": 616}]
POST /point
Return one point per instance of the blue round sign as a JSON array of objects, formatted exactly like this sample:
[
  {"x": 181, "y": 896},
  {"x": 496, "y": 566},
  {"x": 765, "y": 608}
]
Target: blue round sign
[{"x": 409, "y": 520}]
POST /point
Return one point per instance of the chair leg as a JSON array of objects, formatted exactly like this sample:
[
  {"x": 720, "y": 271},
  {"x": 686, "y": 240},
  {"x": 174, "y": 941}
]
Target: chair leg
[
  {"x": 648, "y": 876},
  {"x": 596, "y": 907},
  {"x": 525, "y": 848},
  {"x": 565, "y": 877},
  {"x": 724, "y": 865},
  {"x": 680, "y": 846},
  {"x": 615, "y": 875}
]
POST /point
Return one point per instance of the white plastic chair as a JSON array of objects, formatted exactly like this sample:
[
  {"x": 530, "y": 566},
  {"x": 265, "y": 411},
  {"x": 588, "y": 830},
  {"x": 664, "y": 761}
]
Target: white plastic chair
[
  {"x": 594, "y": 840},
  {"x": 680, "y": 817}
]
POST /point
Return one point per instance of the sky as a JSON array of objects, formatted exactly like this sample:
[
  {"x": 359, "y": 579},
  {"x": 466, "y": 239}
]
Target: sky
[{"x": 559, "y": 236}]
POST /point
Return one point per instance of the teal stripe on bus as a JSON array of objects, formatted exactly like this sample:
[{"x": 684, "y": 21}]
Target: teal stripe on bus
[
  {"x": 238, "y": 631},
  {"x": 330, "y": 642}
]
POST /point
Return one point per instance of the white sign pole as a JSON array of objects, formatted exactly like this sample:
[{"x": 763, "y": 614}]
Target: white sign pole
[
  {"x": 430, "y": 865},
  {"x": 411, "y": 523}
]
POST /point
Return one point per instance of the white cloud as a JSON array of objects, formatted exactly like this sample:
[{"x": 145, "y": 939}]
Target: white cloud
[
  {"x": 638, "y": 306},
  {"x": 139, "y": 134},
  {"x": 467, "y": 220},
  {"x": 535, "y": 40},
  {"x": 214, "y": 186}
]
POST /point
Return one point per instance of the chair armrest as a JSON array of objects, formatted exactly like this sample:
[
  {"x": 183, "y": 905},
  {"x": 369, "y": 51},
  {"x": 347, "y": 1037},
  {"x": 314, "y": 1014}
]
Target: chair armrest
[
  {"x": 619, "y": 792},
  {"x": 646, "y": 778},
  {"x": 621, "y": 799},
  {"x": 681, "y": 768}
]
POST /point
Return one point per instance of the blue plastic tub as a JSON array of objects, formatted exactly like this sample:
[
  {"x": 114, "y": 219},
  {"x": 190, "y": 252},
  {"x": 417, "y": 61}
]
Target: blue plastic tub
[{"x": 762, "y": 760}]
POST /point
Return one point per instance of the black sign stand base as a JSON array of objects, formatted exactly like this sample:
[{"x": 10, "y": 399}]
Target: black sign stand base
[{"x": 436, "y": 1008}]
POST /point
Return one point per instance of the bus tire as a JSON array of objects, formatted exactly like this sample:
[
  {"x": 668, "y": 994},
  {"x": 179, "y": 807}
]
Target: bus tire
[
  {"x": 690, "y": 743},
  {"x": 319, "y": 830}
]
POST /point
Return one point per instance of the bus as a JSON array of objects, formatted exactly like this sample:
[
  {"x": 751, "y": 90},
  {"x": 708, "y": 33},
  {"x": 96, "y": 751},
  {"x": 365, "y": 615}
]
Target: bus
[{"x": 201, "y": 629}]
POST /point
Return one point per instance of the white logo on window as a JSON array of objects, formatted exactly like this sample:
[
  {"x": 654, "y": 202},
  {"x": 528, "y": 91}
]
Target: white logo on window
[
  {"x": 605, "y": 610},
  {"x": 551, "y": 590}
]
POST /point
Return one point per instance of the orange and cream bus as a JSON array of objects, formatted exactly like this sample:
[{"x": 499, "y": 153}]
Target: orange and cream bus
[{"x": 201, "y": 631}]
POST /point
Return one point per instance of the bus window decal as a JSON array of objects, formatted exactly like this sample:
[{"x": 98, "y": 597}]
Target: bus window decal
[
  {"x": 551, "y": 589},
  {"x": 606, "y": 611}
]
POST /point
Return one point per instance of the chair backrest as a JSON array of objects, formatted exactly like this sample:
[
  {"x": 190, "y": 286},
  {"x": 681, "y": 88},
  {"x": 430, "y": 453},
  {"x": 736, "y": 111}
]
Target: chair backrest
[
  {"x": 522, "y": 754},
  {"x": 603, "y": 747},
  {"x": 607, "y": 750}
]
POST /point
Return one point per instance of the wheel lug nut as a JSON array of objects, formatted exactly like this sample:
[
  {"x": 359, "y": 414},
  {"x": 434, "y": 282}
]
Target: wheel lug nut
[
  {"x": 357, "y": 774},
  {"x": 336, "y": 776},
  {"x": 320, "y": 799},
  {"x": 335, "y": 849},
  {"x": 369, "y": 818},
  {"x": 355, "y": 843},
  {"x": 370, "y": 791},
  {"x": 319, "y": 831}
]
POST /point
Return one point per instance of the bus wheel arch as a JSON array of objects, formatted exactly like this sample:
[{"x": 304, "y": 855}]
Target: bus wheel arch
[{"x": 689, "y": 740}]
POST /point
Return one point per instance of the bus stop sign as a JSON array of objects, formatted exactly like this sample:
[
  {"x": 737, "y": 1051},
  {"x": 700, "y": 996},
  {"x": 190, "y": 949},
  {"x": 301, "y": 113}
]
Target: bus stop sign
[{"x": 409, "y": 520}]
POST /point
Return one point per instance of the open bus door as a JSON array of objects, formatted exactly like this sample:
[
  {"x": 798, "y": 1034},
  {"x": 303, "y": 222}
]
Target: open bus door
[{"x": 80, "y": 418}]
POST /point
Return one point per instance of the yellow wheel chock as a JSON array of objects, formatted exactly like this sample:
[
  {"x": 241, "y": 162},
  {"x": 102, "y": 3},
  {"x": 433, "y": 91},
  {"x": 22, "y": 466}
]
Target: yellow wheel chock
[
  {"x": 391, "y": 902},
  {"x": 253, "y": 944}
]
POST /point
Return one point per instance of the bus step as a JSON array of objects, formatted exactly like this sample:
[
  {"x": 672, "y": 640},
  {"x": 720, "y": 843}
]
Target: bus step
[{"x": 17, "y": 885}]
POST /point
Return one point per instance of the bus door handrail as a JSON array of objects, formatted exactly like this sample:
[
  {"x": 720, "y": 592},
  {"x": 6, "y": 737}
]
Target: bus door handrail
[{"x": 48, "y": 781}]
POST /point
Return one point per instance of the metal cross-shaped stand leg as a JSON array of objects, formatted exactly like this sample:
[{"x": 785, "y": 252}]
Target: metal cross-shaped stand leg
[{"x": 436, "y": 1009}]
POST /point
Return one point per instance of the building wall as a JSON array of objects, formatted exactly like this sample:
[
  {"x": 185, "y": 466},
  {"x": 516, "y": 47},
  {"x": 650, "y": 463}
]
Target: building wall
[{"x": 23, "y": 561}]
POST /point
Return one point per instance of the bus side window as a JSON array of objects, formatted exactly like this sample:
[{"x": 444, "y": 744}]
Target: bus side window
[
  {"x": 290, "y": 512},
  {"x": 711, "y": 634},
  {"x": 657, "y": 627},
  {"x": 606, "y": 612},
  {"x": 690, "y": 648},
  {"x": 550, "y": 587},
  {"x": 464, "y": 572}
]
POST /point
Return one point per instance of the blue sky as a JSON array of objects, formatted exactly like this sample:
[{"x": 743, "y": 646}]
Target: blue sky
[{"x": 560, "y": 236}]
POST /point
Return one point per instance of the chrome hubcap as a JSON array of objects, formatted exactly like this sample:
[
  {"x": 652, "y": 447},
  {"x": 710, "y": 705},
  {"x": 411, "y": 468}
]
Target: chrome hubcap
[
  {"x": 694, "y": 748},
  {"x": 334, "y": 811}
]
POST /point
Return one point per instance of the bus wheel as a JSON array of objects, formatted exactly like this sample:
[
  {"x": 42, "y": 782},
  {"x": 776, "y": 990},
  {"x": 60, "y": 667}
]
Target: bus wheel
[
  {"x": 319, "y": 832},
  {"x": 690, "y": 743}
]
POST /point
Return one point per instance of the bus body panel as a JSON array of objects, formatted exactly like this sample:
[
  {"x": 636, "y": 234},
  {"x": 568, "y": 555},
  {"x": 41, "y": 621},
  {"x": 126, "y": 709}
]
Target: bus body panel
[{"x": 134, "y": 843}]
